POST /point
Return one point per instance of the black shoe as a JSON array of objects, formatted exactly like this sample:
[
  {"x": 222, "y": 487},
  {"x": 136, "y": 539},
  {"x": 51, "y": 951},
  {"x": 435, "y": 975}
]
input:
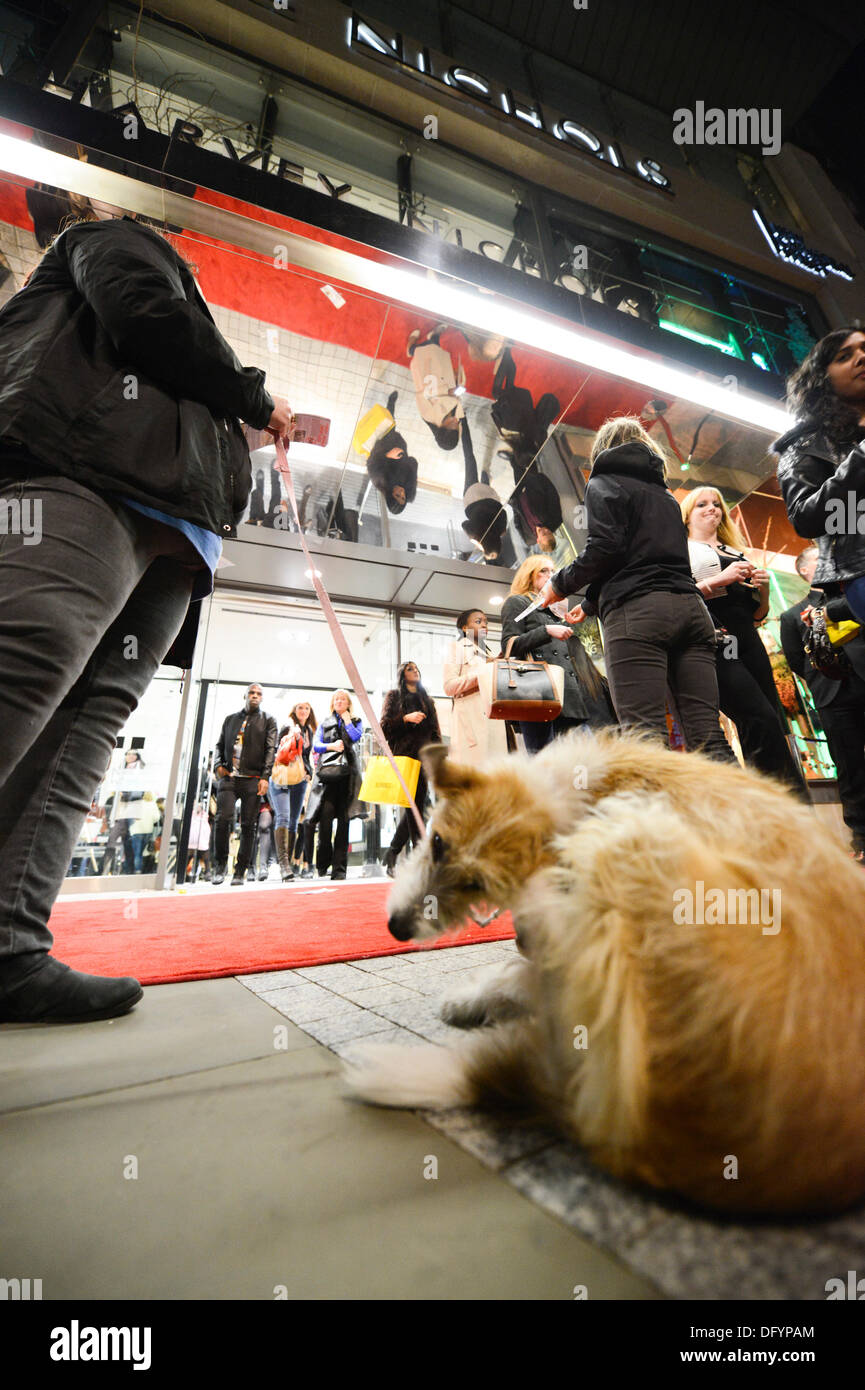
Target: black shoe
[
  {"x": 54, "y": 993},
  {"x": 337, "y": 875},
  {"x": 308, "y": 872},
  {"x": 218, "y": 874},
  {"x": 238, "y": 878},
  {"x": 389, "y": 862}
]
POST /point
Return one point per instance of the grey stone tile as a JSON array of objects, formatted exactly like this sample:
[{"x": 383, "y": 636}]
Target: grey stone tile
[
  {"x": 335, "y": 977},
  {"x": 270, "y": 980},
  {"x": 493, "y": 1140},
  {"x": 377, "y": 990},
  {"x": 344, "y": 1028},
  {"x": 413, "y": 1013},
  {"x": 563, "y": 1180},
  {"x": 376, "y": 965},
  {"x": 308, "y": 1001},
  {"x": 694, "y": 1256}
]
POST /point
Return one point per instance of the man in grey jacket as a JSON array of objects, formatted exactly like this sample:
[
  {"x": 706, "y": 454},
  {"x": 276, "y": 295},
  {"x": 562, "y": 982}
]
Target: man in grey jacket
[{"x": 120, "y": 405}]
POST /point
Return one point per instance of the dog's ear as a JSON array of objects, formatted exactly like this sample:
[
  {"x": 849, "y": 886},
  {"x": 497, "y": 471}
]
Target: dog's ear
[{"x": 447, "y": 777}]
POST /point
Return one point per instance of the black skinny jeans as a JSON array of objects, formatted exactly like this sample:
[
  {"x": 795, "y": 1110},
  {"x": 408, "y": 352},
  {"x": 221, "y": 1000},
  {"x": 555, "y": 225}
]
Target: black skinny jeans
[
  {"x": 746, "y": 689},
  {"x": 659, "y": 640}
]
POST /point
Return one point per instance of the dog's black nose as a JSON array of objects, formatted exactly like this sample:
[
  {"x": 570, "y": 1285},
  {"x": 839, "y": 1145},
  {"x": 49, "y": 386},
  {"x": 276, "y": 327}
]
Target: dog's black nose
[{"x": 399, "y": 925}]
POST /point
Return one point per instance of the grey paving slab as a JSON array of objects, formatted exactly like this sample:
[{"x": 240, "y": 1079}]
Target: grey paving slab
[
  {"x": 259, "y": 1177},
  {"x": 175, "y": 1029},
  {"x": 378, "y": 991},
  {"x": 686, "y": 1254},
  {"x": 339, "y": 978},
  {"x": 306, "y": 1001}
]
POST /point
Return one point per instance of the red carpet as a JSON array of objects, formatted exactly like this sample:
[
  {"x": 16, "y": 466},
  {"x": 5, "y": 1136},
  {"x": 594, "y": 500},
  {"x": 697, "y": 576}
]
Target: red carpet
[{"x": 201, "y": 935}]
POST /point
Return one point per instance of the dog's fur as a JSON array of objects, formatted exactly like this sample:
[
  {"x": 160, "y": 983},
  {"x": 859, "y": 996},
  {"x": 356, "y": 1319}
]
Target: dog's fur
[{"x": 721, "y": 1062}]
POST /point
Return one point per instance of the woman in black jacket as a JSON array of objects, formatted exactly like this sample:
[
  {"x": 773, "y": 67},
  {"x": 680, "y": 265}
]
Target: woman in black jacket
[
  {"x": 821, "y": 468},
  {"x": 409, "y": 722},
  {"x": 543, "y": 637},
  {"x": 657, "y": 630}
]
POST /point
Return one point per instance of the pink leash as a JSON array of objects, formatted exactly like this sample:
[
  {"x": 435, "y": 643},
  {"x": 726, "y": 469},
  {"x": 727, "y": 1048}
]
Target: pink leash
[{"x": 338, "y": 635}]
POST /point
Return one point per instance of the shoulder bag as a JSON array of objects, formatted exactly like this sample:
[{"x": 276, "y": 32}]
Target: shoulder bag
[{"x": 525, "y": 690}]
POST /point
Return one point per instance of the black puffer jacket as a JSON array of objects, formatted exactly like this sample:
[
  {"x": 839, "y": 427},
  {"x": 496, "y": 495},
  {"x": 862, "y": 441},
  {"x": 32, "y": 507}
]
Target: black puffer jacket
[
  {"x": 822, "y": 492},
  {"x": 113, "y": 372},
  {"x": 637, "y": 542}
]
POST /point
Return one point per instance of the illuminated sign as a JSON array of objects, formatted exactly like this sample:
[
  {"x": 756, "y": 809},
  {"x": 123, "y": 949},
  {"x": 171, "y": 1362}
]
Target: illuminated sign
[
  {"x": 790, "y": 247},
  {"x": 407, "y": 55}
]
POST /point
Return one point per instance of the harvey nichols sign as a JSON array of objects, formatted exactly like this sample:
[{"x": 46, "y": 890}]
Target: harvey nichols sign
[{"x": 408, "y": 55}]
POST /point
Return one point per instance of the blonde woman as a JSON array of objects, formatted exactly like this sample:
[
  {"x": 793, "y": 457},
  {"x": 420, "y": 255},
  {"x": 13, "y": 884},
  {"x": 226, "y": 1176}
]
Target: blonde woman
[
  {"x": 657, "y": 631},
  {"x": 542, "y": 637},
  {"x": 737, "y": 596},
  {"x": 331, "y": 792}
]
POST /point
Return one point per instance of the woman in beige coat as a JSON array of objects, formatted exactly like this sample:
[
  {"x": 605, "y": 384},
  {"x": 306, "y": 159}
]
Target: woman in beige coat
[{"x": 474, "y": 738}]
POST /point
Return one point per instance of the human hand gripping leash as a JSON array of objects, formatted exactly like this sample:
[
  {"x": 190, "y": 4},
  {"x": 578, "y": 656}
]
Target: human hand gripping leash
[{"x": 338, "y": 635}]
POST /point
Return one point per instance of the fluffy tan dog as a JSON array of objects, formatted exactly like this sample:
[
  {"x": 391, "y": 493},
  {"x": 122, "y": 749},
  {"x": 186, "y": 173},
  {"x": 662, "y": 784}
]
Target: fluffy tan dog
[{"x": 690, "y": 1003}]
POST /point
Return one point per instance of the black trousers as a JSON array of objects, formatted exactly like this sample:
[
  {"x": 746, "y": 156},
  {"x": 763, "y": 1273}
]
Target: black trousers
[
  {"x": 333, "y": 839},
  {"x": 407, "y": 826},
  {"x": 746, "y": 688},
  {"x": 86, "y": 616},
  {"x": 658, "y": 640},
  {"x": 844, "y": 725},
  {"x": 228, "y": 791},
  {"x": 538, "y": 733}
]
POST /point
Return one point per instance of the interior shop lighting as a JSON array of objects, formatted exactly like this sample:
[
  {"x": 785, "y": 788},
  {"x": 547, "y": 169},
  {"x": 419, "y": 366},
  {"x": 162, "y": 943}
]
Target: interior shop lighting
[
  {"x": 730, "y": 347},
  {"x": 426, "y": 290}
]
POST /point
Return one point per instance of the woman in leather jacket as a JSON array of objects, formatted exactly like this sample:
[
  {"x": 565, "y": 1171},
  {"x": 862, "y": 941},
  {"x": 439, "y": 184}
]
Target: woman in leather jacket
[
  {"x": 821, "y": 469},
  {"x": 543, "y": 637}
]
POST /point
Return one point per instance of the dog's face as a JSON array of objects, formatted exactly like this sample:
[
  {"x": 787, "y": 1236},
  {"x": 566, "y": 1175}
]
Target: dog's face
[{"x": 485, "y": 838}]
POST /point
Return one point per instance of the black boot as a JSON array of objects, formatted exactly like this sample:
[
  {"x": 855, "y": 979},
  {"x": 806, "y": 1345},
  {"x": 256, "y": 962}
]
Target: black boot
[
  {"x": 50, "y": 992},
  {"x": 218, "y": 873}
]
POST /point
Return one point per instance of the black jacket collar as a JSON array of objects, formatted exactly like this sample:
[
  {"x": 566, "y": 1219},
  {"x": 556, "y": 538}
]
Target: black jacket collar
[
  {"x": 634, "y": 460},
  {"x": 817, "y": 443}
]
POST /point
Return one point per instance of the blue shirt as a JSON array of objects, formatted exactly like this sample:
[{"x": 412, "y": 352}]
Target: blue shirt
[{"x": 207, "y": 543}]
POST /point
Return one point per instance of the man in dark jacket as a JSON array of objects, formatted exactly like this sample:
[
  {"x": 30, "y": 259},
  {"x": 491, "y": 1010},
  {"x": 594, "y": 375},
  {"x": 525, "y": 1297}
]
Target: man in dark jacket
[
  {"x": 840, "y": 704},
  {"x": 120, "y": 404},
  {"x": 244, "y": 761}
]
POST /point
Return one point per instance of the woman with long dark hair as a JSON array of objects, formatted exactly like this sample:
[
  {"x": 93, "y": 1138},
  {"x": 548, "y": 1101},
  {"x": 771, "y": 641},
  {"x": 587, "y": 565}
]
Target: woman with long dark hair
[
  {"x": 821, "y": 469},
  {"x": 409, "y": 722}
]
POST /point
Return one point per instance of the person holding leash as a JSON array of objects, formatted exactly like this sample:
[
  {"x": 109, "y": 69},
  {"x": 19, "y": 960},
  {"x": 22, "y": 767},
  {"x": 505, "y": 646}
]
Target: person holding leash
[{"x": 120, "y": 410}]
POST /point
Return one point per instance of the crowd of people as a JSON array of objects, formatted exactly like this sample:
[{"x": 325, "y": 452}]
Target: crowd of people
[{"x": 161, "y": 475}]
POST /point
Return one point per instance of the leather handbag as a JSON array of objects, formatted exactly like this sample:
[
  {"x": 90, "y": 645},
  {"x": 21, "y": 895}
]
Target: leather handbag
[
  {"x": 513, "y": 688},
  {"x": 288, "y": 767},
  {"x": 333, "y": 765}
]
